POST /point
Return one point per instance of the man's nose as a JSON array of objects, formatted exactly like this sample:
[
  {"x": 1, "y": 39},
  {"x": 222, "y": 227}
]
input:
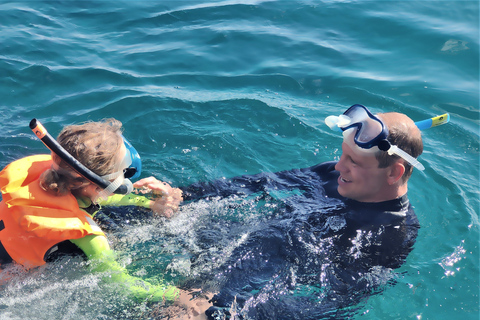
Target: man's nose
[{"x": 340, "y": 164}]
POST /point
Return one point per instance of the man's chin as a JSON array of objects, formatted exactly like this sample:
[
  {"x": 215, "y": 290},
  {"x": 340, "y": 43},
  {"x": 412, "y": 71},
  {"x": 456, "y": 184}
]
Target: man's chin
[{"x": 342, "y": 192}]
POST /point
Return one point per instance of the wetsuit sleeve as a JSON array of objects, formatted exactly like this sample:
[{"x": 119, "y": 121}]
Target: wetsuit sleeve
[
  {"x": 98, "y": 250},
  {"x": 127, "y": 200},
  {"x": 219, "y": 188},
  {"x": 259, "y": 183},
  {"x": 242, "y": 185},
  {"x": 93, "y": 246}
]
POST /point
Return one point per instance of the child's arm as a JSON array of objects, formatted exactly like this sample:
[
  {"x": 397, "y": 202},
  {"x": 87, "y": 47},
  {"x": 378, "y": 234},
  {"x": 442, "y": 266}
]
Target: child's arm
[
  {"x": 128, "y": 200},
  {"x": 98, "y": 250},
  {"x": 165, "y": 198}
]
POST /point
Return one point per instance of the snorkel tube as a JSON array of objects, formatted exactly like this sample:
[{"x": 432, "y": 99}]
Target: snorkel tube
[
  {"x": 422, "y": 125},
  {"x": 433, "y": 122},
  {"x": 42, "y": 133}
]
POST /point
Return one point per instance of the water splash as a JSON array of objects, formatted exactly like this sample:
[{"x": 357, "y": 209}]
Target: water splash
[{"x": 448, "y": 263}]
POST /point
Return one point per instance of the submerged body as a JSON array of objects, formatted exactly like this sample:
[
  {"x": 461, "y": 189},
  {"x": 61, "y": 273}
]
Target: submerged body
[{"x": 317, "y": 256}]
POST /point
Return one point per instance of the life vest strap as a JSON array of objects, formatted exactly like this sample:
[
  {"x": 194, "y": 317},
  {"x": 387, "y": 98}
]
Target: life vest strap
[{"x": 4, "y": 256}]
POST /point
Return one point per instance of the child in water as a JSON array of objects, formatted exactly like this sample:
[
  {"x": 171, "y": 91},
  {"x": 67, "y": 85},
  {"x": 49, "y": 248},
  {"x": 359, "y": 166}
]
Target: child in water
[{"x": 49, "y": 202}]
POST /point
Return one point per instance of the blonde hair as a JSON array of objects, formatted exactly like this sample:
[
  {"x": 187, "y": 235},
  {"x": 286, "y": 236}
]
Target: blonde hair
[{"x": 94, "y": 144}]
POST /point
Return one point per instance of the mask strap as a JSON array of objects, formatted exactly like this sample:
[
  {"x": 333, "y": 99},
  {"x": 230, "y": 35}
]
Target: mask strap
[
  {"x": 114, "y": 175},
  {"x": 108, "y": 191},
  {"x": 385, "y": 145}
]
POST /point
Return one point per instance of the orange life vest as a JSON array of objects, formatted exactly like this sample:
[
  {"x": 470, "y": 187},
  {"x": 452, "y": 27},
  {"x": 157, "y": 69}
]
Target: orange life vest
[{"x": 32, "y": 220}]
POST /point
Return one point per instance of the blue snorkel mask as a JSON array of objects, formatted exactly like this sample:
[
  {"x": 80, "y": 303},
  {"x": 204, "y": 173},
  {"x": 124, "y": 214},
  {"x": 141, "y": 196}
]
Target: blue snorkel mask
[
  {"x": 366, "y": 133},
  {"x": 130, "y": 168},
  {"x": 135, "y": 169}
]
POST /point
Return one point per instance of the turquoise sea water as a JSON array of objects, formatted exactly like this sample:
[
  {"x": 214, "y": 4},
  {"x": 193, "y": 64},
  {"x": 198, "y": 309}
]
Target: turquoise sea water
[{"x": 217, "y": 89}]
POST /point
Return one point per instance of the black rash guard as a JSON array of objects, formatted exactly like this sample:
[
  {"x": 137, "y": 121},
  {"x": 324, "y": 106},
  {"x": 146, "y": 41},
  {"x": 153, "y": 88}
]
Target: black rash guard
[{"x": 317, "y": 258}]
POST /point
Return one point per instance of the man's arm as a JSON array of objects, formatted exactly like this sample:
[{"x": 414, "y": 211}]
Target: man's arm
[{"x": 250, "y": 184}]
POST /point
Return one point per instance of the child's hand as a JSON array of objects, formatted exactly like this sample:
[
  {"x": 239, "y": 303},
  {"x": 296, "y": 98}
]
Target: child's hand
[{"x": 165, "y": 198}]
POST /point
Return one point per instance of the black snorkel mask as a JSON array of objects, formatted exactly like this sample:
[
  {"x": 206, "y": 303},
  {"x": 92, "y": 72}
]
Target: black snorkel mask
[{"x": 121, "y": 184}]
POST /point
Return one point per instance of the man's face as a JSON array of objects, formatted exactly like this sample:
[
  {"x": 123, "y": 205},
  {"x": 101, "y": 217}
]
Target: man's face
[{"x": 360, "y": 178}]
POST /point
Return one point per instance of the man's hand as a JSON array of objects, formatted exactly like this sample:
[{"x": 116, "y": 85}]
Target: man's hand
[{"x": 189, "y": 305}]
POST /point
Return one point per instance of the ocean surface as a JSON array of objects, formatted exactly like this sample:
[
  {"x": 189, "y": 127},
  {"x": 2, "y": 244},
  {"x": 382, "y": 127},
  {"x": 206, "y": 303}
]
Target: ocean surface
[{"x": 215, "y": 89}]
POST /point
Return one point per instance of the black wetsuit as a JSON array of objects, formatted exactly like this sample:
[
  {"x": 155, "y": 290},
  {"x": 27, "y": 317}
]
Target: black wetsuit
[
  {"x": 317, "y": 257},
  {"x": 282, "y": 245}
]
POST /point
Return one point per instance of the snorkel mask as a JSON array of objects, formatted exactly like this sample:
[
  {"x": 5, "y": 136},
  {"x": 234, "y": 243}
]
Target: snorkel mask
[
  {"x": 130, "y": 168},
  {"x": 366, "y": 133}
]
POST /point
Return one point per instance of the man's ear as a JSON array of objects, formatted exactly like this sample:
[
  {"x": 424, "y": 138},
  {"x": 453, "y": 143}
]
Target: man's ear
[{"x": 396, "y": 172}]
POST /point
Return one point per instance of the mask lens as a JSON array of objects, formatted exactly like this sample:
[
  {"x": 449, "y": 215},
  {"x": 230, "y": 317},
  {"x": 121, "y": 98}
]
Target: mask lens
[
  {"x": 369, "y": 128},
  {"x": 129, "y": 172},
  {"x": 135, "y": 163}
]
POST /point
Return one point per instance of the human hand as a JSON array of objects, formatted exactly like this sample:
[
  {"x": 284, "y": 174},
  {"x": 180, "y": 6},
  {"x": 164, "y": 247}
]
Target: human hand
[
  {"x": 165, "y": 198},
  {"x": 188, "y": 305}
]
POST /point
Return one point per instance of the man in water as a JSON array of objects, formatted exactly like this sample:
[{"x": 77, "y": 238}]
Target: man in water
[{"x": 338, "y": 230}]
